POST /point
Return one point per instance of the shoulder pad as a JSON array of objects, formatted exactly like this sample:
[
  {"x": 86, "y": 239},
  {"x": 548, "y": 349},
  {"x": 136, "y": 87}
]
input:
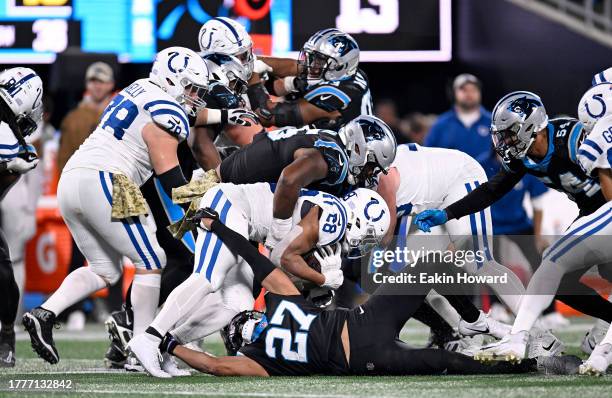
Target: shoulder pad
[
  {"x": 170, "y": 116},
  {"x": 595, "y": 152},
  {"x": 328, "y": 97},
  {"x": 332, "y": 221}
]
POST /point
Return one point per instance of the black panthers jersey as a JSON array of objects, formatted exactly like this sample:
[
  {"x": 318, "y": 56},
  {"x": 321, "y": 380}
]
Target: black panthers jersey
[
  {"x": 265, "y": 158},
  {"x": 163, "y": 210},
  {"x": 299, "y": 339},
  {"x": 351, "y": 97},
  {"x": 560, "y": 168}
]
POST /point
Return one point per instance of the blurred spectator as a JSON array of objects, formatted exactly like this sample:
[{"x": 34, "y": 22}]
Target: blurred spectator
[
  {"x": 466, "y": 126},
  {"x": 75, "y": 128},
  {"x": 386, "y": 110},
  {"x": 80, "y": 122},
  {"x": 414, "y": 127},
  {"x": 510, "y": 219}
]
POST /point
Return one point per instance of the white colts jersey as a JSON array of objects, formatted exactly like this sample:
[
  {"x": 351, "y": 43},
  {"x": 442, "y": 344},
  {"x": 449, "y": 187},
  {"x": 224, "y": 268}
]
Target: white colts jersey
[
  {"x": 256, "y": 200},
  {"x": 427, "y": 175},
  {"x": 595, "y": 152},
  {"x": 116, "y": 145}
]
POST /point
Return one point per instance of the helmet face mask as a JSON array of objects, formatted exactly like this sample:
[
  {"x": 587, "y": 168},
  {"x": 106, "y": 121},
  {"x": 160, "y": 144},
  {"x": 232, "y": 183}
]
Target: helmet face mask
[
  {"x": 243, "y": 329},
  {"x": 329, "y": 55},
  {"x": 517, "y": 118},
  {"x": 193, "y": 97}
]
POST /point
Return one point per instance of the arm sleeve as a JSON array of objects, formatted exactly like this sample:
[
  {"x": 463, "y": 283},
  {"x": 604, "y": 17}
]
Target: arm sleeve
[
  {"x": 237, "y": 244},
  {"x": 485, "y": 195}
]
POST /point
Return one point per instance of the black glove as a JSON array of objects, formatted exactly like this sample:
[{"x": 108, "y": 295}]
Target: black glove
[
  {"x": 168, "y": 344},
  {"x": 301, "y": 84},
  {"x": 205, "y": 212},
  {"x": 238, "y": 117}
]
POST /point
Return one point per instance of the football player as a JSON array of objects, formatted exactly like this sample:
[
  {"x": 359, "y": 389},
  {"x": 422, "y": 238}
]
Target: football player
[
  {"x": 319, "y": 220},
  {"x": 138, "y": 134},
  {"x": 529, "y": 143},
  {"x": 330, "y": 87},
  {"x": 595, "y": 156},
  {"x": 20, "y": 114},
  {"x": 421, "y": 178},
  {"x": 295, "y": 338},
  {"x": 311, "y": 158}
]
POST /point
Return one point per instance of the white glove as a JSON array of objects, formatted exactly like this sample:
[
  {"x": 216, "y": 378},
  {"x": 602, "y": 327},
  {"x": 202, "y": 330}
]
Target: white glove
[
  {"x": 261, "y": 67},
  {"x": 278, "y": 230},
  {"x": 20, "y": 166},
  {"x": 331, "y": 263}
]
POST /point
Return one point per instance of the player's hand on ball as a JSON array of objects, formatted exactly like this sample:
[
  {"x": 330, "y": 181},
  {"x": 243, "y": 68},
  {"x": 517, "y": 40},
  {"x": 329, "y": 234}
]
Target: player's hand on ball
[
  {"x": 331, "y": 262},
  {"x": 427, "y": 219},
  {"x": 239, "y": 117}
]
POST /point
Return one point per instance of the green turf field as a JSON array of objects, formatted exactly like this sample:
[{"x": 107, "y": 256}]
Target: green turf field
[{"x": 81, "y": 363}]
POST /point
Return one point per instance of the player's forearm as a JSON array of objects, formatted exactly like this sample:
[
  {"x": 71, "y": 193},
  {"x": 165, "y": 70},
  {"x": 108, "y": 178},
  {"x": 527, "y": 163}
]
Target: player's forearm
[
  {"x": 484, "y": 196},
  {"x": 200, "y": 361},
  {"x": 281, "y": 67},
  {"x": 204, "y": 150}
]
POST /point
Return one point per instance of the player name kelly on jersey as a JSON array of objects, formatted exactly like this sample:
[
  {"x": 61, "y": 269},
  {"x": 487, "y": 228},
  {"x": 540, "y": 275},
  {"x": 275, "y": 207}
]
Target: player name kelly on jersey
[{"x": 116, "y": 145}]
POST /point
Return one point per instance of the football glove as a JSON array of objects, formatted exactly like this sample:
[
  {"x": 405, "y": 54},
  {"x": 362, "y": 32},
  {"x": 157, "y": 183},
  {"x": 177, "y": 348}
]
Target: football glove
[
  {"x": 26, "y": 160},
  {"x": 331, "y": 262},
  {"x": 204, "y": 212},
  {"x": 430, "y": 218},
  {"x": 239, "y": 117},
  {"x": 278, "y": 230},
  {"x": 260, "y": 67},
  {"x": 168, "y": 344}
]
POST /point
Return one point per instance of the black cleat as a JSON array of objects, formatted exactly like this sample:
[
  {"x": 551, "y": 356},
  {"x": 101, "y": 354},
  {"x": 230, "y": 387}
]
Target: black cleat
[
  {"x": 119, "y": 330},
  {"x": 114, "y": 357},
  {"x": 39, "y": 324},
  {"x": 7, "y": 350}
]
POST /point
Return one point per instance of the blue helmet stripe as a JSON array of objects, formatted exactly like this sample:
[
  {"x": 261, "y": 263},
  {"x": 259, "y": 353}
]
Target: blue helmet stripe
[{"x": 231, "y": 28}]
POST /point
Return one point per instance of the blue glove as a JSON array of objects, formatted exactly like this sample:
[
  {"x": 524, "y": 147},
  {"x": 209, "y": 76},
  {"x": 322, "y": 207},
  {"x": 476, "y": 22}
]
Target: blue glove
[{"x": 430, "y": 218}]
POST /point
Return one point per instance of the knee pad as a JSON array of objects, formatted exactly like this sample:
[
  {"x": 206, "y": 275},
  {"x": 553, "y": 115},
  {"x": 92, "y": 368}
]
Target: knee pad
[{"x": 108, "y": 271}]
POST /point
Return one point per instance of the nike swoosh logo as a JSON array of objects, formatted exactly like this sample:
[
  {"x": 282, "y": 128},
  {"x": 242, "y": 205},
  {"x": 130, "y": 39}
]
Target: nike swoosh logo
[
  {"x": 478, "y": 330},
  {"x": 361, "y": 311},
  {"x": 549, "y": 347},
  {"x": 325, "y": 97}
]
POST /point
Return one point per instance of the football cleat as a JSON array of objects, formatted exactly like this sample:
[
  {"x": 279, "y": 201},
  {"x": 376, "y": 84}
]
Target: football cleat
[
  {"x": 484, "y": 325},
  {"x": 466, "y": 345},
  {"x": 7, "y": 350},
  {"x": 561, "y": 365},
  {"x": 39, "y": 324},
  {"x": 170, "y": 366},
  {"x": 512, "y": 348},
  {"x": 146, "y": 350},
  {"x": 594, "y": 336},
  {"x": 543, "y": 343},
  {"x": 598, "y": 362},
  {"x": 114, "y": 358},
  {"x": 119, "y": 330}
]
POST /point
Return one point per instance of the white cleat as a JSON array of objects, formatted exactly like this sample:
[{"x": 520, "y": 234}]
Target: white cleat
[
  {"x": 170, "y": 366},
  {"x": 146, "y": 350},
  {"x": 598, "y": 362},
  {"x": 512, "y": 348},
  {"x": 466, "y": 345},
  {"x": 594, "y": 336},
  {"x": 543, "y": 343},
  {"x": 484, "y": 325}
]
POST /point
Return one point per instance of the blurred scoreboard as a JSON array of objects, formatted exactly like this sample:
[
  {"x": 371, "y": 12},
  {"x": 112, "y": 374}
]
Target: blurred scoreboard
[{"x": 34, "y": 31}]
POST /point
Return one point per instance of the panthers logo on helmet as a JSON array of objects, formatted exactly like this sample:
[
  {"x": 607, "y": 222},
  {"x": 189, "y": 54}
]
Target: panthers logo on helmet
[{"x": 524, "y": 105}]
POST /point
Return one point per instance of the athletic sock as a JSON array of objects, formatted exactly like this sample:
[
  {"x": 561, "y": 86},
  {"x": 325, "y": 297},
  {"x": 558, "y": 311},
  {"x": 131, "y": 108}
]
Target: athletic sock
[
  {"x": 509, "y": 293},
  {"x": 441, "y": 305},
  {"x": 464, "y": 307},
  {"x": 144, "y": 297},
  {"x": 182, "y": 301},
  {"x": 79, "y": 284}
]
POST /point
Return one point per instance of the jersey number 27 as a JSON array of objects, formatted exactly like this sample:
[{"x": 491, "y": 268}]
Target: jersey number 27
[{"x": 276, "y": 332}]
